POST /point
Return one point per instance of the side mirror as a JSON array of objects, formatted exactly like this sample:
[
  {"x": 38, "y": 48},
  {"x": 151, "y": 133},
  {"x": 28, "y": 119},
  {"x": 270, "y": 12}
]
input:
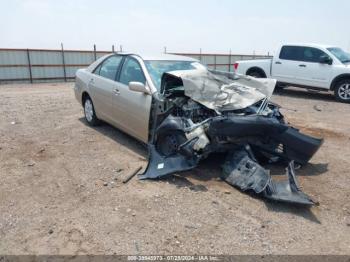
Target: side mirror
[
  {"x": 325, "y": 59},
  {"x": 138, "y": 87}
]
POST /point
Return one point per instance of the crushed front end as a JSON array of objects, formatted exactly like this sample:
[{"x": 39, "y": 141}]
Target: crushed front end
[{"x": 199, "y": 112}]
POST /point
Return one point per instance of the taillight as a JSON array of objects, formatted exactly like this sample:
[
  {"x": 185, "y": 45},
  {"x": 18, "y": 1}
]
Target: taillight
[{"x": 235, "y": 66}]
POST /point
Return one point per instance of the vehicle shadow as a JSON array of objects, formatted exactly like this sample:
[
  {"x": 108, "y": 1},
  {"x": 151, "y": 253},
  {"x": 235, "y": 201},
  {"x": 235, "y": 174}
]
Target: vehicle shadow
[
  {"x": 310, "y": 169},
  {"x": 120, "y": 137},
  {"x": 181, "y": 181},
  {"x": 298, "y": 210},
  {"x": 305, "y": 94}
]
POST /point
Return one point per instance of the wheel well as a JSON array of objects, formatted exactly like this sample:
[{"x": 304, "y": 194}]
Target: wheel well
[
  {"x": 256, "y": 69},
  {"x": 337, "y": 79},
  {"x": 83, "y": 97}
]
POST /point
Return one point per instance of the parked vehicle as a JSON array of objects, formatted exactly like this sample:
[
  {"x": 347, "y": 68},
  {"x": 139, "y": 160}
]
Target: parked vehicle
[
  {"x": 310, "y": 66},
  {"x": 184, "y": 112}
]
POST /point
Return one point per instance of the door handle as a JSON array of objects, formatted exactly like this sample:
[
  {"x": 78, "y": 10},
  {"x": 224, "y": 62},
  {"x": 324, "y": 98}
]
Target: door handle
[
  {"x": 302, "y": 65},
  {"x": 92, "y": 80},
  {"x": 116, "y": 91},
  {"x": 278, "y": 63}
]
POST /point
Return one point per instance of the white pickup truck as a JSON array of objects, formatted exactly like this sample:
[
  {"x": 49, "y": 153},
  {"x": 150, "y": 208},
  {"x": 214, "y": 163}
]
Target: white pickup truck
[{"x": 310, "y": 66}]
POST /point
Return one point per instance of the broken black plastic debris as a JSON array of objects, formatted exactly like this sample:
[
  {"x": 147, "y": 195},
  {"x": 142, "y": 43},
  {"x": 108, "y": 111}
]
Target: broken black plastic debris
[
  {"x": 288, "y": 190},
  {"x": 242, "y": 171},
  {"x": 159, "y": 165}
]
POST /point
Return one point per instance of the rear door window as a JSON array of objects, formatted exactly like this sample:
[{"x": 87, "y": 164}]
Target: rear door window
[
  {"x": 109, "y": 67},
  {"x": 293, "y": 53}
]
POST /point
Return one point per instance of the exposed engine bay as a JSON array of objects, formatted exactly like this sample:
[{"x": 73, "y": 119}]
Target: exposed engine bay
[{"x": 199, "y": 112}]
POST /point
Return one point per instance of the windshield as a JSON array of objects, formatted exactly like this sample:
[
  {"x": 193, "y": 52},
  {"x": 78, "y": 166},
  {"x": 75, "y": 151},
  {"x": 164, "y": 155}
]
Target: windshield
[
  {"x": 157, "y": 68},
  {"x": 340, "y": 54}
]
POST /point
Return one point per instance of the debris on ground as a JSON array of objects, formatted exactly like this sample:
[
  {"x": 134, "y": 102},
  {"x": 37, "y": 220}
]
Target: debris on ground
[
  {"x": 31, "y": 163},
  {"x": 131, "y": 174},
  {"x": 41, "y": 150},
  {"x": 317, "y": 108}
]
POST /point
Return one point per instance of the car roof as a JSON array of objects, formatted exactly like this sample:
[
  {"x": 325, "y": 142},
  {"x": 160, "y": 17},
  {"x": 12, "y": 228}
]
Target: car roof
[
  {"x": 164, "y": 57},
  {"x": 309, "y": 45}
]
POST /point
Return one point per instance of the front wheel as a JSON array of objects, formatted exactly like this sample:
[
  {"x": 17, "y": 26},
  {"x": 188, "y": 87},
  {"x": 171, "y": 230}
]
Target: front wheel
[
  {"x": 89, "y": 112},
  {"x": 342, "y": 91}
]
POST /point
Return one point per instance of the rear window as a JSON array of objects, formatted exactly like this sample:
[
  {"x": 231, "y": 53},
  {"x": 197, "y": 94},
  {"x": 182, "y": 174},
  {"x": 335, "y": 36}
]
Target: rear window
[{"x": 291, "y": 53}]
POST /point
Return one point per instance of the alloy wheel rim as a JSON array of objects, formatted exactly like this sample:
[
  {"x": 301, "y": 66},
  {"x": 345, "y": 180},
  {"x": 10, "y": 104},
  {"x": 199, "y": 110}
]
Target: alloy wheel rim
[
  {"x": 344, "y": 91},
  {"x": 88, "y": 110}
]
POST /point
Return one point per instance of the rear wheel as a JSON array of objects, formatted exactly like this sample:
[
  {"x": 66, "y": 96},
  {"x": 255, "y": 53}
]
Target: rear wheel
[
  {"x": 89, "y": 112},
  {"x": 342, "y": 91},
  {"x": 255, "y": 74}
]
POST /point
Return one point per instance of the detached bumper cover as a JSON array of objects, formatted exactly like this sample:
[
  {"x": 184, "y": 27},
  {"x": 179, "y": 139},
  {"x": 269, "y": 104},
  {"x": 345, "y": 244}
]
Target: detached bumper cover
[{"x": 241, "y": 170}]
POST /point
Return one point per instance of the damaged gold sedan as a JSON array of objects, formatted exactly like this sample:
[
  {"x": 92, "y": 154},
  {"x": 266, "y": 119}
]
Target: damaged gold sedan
[{"x": 195, "y": 112}]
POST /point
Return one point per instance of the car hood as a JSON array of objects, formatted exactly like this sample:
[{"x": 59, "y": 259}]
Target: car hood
[{"x": 219, "y": 92}]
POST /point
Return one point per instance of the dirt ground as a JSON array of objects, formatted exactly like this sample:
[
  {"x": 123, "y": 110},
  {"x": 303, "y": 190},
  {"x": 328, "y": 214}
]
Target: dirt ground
[{"x": 61, "y": 189}]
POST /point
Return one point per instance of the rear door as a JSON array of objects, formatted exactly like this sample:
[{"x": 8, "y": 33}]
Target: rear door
[
  {"x": 284, "y": 68},
  {"x": 102, "y": 84},
  {"x": 310, "y": 71},
  {"x": 132, "y": 109}
]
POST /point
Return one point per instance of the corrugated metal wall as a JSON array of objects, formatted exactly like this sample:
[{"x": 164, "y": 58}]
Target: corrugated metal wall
[
  {"x": 43, "y": 65},
  {"x": 222, "y": 62},
  {"x": 40, "y": 65}
]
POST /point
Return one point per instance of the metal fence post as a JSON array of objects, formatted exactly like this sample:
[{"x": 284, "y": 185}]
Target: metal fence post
[
  {"x": 64, "y": 64},
  {"x": 215, "y": 61},
  {"x": 29, "y": 67},
  {"x": 95, "y": 52},
  {"x": 229, "y": 61},
  {"x": 200, "y": 54}
]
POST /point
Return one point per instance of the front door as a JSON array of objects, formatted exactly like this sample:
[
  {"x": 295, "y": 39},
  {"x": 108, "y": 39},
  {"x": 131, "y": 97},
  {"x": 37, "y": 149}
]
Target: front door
[
  {"x": 132, "y": 108},
  {"x": 310, "y": 71}
]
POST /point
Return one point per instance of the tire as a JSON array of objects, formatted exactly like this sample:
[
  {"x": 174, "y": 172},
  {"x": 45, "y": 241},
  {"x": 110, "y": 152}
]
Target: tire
[
  {"x": 168, "y": 143},
  {"x": 342, "y": 91},
  {"x": 89, "y": 112}
]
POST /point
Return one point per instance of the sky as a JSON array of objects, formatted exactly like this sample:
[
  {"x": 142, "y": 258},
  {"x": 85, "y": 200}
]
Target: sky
[{"x": 244, "y": 27}]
